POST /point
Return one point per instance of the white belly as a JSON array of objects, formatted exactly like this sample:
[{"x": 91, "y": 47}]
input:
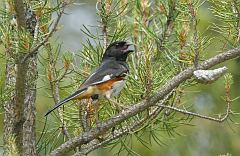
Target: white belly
[{"x": 116, "y": 89}]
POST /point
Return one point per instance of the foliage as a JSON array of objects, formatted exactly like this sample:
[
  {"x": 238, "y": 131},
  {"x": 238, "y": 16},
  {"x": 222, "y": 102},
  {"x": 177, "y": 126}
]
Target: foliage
[{"x": 166, "y": 39}]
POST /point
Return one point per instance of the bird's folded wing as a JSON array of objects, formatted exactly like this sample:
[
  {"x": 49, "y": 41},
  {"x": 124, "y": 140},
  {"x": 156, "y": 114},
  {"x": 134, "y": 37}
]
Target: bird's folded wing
[{"x": 107, "y": 71}]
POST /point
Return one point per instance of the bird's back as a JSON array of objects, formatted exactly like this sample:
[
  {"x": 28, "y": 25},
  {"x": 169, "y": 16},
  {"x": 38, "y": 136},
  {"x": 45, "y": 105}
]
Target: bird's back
[{"x": 108, "y": 70}]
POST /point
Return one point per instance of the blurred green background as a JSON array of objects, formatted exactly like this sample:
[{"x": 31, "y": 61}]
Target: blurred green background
[{"x": 202, "y": 138}]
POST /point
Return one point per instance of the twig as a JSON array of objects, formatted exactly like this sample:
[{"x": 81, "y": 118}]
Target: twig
[
  {"x": 54, "y": 84},
  {"x": 63, "y": 75},
  {"x": 198, "y": 115},
  {"x": 36, "y": 31},
  {"x": 238, "y": 19},
  {"x": 105, "y": 22},
  {"x": 169, "y": 26},
  {"x": 143, "y": 105},
  {"x": 195, "y": 34},
  {"x": 148, "y": 77},
  {"x": 35, "y": 49},
  {"x": 60, "y": 112}
]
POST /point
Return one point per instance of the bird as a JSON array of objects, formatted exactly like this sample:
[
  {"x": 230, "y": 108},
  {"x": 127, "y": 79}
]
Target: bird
[{"x": 108, "y": 79}]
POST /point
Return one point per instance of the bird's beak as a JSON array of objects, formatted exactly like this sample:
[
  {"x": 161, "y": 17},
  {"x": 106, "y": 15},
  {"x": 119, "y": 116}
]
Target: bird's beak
[{"x": 130, "y": 47}]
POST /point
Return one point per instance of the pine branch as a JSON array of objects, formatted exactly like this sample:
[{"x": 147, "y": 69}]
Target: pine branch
[
  {"x": 93, "y": 133},
  {"x": 199, "y": 115},
  {"x": 236, "y": 5},
  {"x": 35, "y": 49},
  {"x": 193, "y": 13},
  {"x": 54, "y": 87},
  {"x": 125, "y": 130},
  {"x": 169, "y": 26}
]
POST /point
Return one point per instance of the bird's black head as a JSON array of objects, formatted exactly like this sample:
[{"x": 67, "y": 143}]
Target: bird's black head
[{"x": 117, "y": 50}]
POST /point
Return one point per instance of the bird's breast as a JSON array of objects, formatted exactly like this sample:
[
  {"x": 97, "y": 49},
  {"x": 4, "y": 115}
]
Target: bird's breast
[
  {"x": 117, "y": 87},
  {"x": 111, "y": 88}
]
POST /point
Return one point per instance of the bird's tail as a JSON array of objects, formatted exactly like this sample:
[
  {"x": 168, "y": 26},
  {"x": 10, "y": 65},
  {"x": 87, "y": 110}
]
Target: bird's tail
[{"x": 77, "y": 93}]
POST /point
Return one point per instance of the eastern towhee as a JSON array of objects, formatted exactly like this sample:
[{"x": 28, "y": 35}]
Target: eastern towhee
[{"x": 108, "y": 80}]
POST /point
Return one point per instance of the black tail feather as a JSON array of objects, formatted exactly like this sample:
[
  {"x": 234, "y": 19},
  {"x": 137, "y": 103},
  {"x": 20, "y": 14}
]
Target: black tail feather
[{"x": 77, "y": 93}]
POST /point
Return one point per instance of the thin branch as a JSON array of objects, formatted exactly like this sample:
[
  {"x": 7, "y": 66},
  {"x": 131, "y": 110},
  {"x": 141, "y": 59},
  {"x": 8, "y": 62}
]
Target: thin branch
[
  {"x": 104, "y": 13},
  {"x": 238, "y": 19},
  {"x": 93, "y": 133},
  {"x": 169, "y": 26},
  {"x": 60, "y": 112},
  {"x": 199, "y": 115},
  {"x": 195, "y": 34},
  {"x": 54, "y": 85},
  {"x": 105, "y": 21},
  {"x": 63, "y": 75},
  {"x": 36, "y": 48},
  {"x": 36, "y": 31}
]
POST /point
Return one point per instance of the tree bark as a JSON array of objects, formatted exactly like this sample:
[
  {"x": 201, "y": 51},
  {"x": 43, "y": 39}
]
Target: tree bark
[
  {"x": 9, "y": 114},
  {"x": 20, "y": 88},
  {"x": 29, "y": 111},
  {"x": 19, "y": 108}
]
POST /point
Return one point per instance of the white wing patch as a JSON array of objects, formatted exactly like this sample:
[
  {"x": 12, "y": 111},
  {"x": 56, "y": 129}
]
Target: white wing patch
[{"x": 105, "y": 78}]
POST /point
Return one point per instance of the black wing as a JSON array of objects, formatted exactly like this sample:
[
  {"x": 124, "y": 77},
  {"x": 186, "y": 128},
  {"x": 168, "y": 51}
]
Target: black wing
[{"x": 108, "y": 70}]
